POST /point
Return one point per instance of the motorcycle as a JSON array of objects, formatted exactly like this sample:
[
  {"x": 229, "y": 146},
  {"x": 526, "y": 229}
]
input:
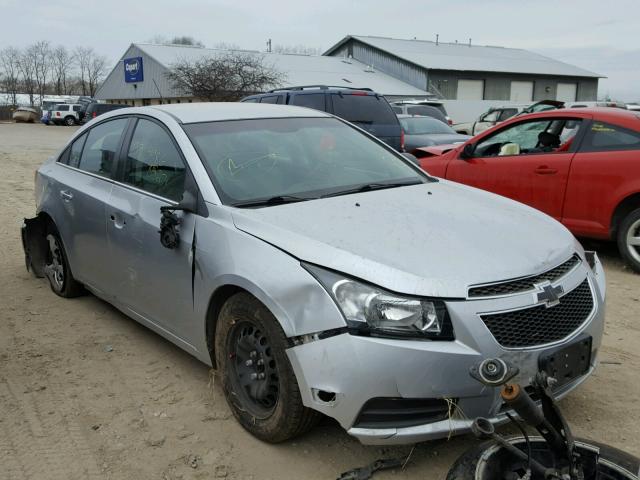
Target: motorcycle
[{"x": 552, "y": 454}]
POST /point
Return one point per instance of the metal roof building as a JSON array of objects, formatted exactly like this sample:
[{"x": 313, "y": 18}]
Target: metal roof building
[
  {"x": 139, "y": 77},
  {"x": 471, "y": 72}
]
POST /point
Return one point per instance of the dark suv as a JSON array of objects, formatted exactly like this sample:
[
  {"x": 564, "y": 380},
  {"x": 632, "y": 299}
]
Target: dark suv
[
  {"x": 95, "y": 109},
  {"x": 362, "y": 107}
]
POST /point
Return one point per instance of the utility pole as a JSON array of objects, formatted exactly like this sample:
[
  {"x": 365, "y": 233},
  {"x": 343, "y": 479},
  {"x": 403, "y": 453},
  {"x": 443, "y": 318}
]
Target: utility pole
[{"x": 269, "y": 45}]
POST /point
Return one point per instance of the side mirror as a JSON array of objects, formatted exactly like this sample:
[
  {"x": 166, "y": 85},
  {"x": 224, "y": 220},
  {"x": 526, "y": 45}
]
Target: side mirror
[
  {"x": 467, "y": 151},
  {"x": 170, "y": 222},
  {"x": 411, "y": 157}
]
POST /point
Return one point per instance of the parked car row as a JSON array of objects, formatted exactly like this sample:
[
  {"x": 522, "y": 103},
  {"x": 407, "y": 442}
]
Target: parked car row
[
  {"x": 76, "y": 113},
  {"x": 578, "y": 165},
  {"x": 317, "y": 268}
]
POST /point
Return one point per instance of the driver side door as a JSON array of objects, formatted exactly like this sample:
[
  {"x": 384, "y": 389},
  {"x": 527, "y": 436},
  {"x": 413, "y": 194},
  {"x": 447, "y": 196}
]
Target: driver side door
[
  {"x": 522, "y": 170},
  {"x": 153, "y": 282}
]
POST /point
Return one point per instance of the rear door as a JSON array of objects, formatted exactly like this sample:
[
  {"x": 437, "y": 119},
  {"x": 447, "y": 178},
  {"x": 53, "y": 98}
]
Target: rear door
[
  {"x": 85, "y": 195},
  {"x": 154, "y": 282},
  {"x": 605, "y": 170},
  {"x": 369, "y": 112},
  {"x": 516, "y": 163}
]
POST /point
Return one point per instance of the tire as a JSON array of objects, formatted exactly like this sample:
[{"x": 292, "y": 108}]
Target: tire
[
  {"x": 629, "y": 229},
  {"x": 613, "y": 463},
  {"x": 69, "y": 121},
  {"x": 270, "y": 408},
  {"x": 57, "y": 270}
]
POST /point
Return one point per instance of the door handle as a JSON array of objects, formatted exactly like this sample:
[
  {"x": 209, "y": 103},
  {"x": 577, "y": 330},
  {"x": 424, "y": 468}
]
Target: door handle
[
  {"x": 544, "y": 170},
  {"x": 66, "y": 195}
]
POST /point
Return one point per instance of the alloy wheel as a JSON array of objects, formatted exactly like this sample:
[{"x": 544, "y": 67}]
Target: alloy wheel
[{"x": 633, "y": 240}]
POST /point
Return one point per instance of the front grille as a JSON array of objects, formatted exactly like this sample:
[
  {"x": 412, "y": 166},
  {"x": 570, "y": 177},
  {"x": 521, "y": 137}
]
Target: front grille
[
  {"x": 388, "y": 412},
  {"x": 524, "y": 284},
  {"x": 540, "y": 325}
]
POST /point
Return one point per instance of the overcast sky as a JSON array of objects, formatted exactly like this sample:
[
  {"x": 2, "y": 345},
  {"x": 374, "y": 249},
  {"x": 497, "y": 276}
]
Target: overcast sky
[{"x": 596, "y": 35}]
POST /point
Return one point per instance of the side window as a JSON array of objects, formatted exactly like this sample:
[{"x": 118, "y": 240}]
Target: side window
[
  {"x": 543, "y": 136},
  {"x": 310, "y": 100},
  {"x": 75, "y": 151},
  {"x": 490, "y": 116},
  {"x": 154, "y": 163},
  {"x": 250, "y": 100},
  {"x": 396, "y": 109},
  {"x": 604, "y": 136},
  {"x": 271, "y": 99},
  {"x": 99, "y": 153},
  {"x": 77, "y": 108},
  {"x": 507, "y": 113}
]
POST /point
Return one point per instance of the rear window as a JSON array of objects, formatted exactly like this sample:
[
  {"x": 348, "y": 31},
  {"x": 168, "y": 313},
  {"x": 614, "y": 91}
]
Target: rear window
[
  {"x": 604, "y": 136},
  {"x": 366, "y": 109},
  {"x": 310, "y": 100},
  {"x": 270, "y": 99}
]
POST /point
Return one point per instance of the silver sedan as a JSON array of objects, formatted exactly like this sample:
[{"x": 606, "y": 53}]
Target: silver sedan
[{"x": 318, "y": 270}]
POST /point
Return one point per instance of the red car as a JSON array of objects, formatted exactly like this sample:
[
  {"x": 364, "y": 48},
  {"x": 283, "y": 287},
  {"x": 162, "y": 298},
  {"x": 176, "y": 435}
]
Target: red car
[{"x": 581, "y": 166}]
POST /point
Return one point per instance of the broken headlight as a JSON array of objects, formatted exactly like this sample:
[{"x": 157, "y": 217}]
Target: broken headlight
[{"x": 370, "y": 309}]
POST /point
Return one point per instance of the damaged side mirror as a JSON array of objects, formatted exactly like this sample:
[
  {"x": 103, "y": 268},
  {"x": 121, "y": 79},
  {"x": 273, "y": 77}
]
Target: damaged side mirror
[{"x": 170, "y": 222}]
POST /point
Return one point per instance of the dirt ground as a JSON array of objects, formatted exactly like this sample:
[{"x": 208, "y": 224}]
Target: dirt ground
[{"x": 87, "y": 393}]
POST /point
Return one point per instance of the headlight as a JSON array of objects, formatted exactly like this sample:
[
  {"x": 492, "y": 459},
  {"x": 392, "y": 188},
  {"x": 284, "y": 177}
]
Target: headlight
[{"x": 370, "y": 309}]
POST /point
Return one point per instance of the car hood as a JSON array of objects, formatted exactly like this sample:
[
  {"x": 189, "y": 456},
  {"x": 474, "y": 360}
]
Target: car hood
[
  {"x": 435, "y": 139},
  {"x": 434, "y": 239}
]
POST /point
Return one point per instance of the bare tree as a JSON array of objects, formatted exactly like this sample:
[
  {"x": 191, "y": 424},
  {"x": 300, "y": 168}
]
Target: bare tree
[
  {"x": 184, "y": 40},
  {"x": 25, "y": 66},
  {"x": 225, "y": 77},
  {"x": 297, "y": 49},
  {"x": 95, "y": 72},
  {"x": 62, "y": 62},
  {"x": 82, "y": 57},
  {"x": 9, "y": 62},
  {"x": 40, "y": 56}
]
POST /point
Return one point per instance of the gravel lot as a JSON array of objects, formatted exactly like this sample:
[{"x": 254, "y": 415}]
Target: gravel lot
[{"x": 87, "y": 393}]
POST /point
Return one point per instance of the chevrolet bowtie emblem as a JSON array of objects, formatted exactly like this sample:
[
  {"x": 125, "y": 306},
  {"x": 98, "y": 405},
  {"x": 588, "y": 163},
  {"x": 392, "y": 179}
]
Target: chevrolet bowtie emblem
[{"x": 549, "y": 295}]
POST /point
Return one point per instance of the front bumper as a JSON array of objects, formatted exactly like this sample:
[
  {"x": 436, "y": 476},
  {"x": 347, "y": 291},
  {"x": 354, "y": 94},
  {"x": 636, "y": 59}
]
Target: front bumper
[{"x": 355, "y": 369}]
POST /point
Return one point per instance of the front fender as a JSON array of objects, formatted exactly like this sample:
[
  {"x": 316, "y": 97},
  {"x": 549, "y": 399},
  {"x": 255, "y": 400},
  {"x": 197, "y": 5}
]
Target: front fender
[{"x": 226, "y": 256}]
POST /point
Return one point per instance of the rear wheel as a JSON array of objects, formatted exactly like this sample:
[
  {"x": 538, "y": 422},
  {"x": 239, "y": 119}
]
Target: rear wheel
[
  {"x": 629, "y": 239},
  {"x": 69, "y": 121},
  {"x": 257, "y": 378},
  {"x": 57, "y": 270}
]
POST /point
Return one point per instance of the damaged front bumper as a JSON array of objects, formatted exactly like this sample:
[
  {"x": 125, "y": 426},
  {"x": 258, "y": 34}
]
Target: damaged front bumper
[{"x": 341, "y": 375}]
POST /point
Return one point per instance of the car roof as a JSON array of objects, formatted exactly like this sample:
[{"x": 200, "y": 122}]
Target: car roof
[{"x": 218, "y": 111}]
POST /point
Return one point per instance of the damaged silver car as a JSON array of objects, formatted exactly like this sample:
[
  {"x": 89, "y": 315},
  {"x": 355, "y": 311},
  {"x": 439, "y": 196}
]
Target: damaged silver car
[{"x": 318, "y": 270}]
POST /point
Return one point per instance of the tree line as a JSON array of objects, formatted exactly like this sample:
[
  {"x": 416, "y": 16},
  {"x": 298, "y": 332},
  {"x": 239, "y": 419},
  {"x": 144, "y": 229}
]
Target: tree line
[{"x": 42, "y": 69}]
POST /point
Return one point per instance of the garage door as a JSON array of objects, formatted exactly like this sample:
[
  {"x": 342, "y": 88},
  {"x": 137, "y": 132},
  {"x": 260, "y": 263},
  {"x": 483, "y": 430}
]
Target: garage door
[
  {"x": 470, "y": 89},
  {"x": 566, "y": 92},
  {"x": 521, "y": 91}
]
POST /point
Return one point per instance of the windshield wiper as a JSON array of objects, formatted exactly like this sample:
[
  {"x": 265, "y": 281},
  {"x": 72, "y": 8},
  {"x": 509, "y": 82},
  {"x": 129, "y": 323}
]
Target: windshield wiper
[
  {"x": 277, "y": 200},
  {"x": 367, "y": 187}
]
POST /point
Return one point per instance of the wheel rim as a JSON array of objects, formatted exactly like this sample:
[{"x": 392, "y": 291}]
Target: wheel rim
[
  {"x": 633, "y": 240},
  {"x": 70, "y": 121},
  {"x": 253, "y": 369},
  {"x": 54, "y": 268}
]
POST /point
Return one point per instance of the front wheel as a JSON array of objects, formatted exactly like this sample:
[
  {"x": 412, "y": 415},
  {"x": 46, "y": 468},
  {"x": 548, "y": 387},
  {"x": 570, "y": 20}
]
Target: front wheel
[
  {"x": 629, "y": 239},
  {"x": 490, "y": 461},
  {"x": 257, "y": 378}
]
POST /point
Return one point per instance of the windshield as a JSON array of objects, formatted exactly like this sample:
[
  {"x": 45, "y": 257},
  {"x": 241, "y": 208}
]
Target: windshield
[
  {"x": 249, "y": 160},
  {"x": 424, "y": 125}
]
